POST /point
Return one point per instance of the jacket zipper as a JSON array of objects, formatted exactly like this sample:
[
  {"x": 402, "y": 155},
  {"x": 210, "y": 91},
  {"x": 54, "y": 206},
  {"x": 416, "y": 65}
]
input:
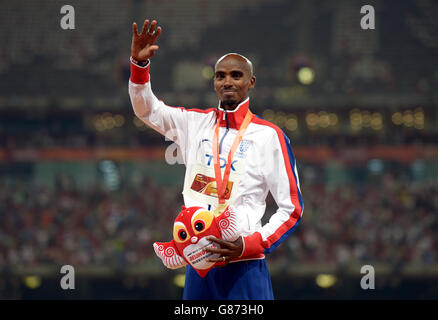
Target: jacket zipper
[{"x": 226, "y": 131}]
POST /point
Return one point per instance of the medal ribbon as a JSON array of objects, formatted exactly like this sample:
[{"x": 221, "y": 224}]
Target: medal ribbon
[{"x": 221, "y": 183}]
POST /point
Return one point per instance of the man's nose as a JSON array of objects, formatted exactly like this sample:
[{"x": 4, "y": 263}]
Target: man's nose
[{"x": 228, "y": 82}]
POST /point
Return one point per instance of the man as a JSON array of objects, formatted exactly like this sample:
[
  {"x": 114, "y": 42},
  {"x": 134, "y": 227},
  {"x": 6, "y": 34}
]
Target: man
[{"x": 232, "y": 157}]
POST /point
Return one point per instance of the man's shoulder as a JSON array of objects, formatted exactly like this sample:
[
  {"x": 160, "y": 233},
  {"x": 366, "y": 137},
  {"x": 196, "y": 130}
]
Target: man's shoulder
[
  {"x": 196, "y": 114},
  {"x": 267, "y": 125},
  {"x": 203, "y": 111}
]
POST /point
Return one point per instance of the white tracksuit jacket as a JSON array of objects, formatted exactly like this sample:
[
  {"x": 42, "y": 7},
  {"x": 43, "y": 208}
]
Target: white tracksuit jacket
[{"x": 263, "y": 162}]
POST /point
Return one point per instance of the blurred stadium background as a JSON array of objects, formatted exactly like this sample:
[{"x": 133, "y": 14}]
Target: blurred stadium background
[{"x": 82, "y": 182}]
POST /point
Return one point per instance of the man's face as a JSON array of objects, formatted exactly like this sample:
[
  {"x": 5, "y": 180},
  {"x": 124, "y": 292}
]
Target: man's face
[{"x": 232, "y": 81}]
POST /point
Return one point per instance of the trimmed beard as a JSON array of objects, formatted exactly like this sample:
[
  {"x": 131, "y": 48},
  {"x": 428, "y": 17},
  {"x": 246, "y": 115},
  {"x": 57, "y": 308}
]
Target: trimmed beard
[{"x": 228, "y": 103}]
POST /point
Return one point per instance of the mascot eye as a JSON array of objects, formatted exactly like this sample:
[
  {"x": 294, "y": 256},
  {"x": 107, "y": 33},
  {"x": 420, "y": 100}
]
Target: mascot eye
[
  {"x": 180, "y": 233},
  {"x": 202, "y": 220},
  {"x": 199, "y": 225}
]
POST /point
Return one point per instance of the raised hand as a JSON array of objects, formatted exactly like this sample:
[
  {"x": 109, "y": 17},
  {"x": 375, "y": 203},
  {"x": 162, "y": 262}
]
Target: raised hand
[{"x": 143, "y": 45}]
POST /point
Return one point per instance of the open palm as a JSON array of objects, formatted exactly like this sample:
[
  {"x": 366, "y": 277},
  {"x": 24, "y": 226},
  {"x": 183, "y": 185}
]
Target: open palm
[{"x": 143, "y": 45}]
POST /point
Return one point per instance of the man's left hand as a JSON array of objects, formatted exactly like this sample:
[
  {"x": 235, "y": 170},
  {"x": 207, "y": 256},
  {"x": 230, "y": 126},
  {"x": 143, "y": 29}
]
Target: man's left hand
[{"x": 229, "y": 250}]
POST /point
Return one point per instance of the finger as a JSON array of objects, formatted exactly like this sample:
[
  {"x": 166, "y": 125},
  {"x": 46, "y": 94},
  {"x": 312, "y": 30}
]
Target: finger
[
  {"x": 145, "y": 26},
  {"x": 152, "y": 27},
  {"x": 217, "y": 250},
  {"x": 153, "y": 49},
  {"x": 223, "y": 243},
  {"x": 220, "y": 259},
  {"x": 156, "y": 34},
  {"x": 134, "y": 29}
]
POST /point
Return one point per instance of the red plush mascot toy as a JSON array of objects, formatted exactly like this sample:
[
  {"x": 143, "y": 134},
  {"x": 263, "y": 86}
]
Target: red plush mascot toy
[{"x": 190, "y": 231}]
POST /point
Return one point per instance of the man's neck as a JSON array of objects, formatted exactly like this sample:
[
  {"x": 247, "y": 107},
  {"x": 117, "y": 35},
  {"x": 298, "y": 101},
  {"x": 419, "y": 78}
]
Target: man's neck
[
  {"x": 233, "y": 106},
  {"x": 230, "y": 108}
]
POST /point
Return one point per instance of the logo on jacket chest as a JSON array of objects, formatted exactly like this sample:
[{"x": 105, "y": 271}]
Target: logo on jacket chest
[
  {"x": 222, "y": 161},
  {"x": 206, "y": 153},
  {"x": 244, "y": 145}
]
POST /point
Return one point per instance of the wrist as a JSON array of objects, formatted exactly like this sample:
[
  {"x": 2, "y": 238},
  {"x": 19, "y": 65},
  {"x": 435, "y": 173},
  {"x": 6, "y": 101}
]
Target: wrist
[
  {"x": 240, "y": 244},
  {"x": 252, "y": 245},
  {"x": 139, "y": 73},
  {"x": 140, "y": 63}
]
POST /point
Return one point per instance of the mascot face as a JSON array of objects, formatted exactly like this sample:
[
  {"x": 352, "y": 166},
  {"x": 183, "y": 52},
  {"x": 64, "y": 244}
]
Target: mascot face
[{"x": 190, "y": 231}]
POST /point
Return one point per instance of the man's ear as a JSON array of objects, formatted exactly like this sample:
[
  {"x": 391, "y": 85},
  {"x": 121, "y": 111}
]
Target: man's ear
[{"x": 252, "y": 82}]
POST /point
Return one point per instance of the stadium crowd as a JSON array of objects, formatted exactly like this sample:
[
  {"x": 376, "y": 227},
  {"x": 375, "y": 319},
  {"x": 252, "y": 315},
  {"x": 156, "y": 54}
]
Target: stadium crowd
[{"x": 392, "y": 221}]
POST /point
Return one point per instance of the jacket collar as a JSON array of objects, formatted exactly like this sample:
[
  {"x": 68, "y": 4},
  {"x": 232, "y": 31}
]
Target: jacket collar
[{"x": 233, "y": 118}]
